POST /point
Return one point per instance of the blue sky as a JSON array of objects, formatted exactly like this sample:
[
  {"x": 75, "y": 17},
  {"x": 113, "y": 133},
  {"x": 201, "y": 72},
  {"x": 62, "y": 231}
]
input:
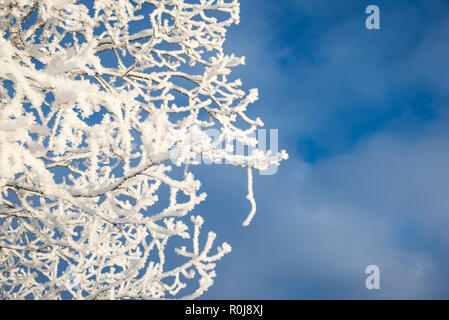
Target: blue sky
[{"x": 364, "y": 117}]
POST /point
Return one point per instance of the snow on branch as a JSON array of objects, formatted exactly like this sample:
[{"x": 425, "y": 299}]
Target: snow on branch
[{"x": 99, "y": 101}]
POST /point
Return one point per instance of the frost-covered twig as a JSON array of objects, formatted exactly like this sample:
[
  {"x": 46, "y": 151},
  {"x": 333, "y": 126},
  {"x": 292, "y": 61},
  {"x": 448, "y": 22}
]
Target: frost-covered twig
[{"x": 94, "y": 102}]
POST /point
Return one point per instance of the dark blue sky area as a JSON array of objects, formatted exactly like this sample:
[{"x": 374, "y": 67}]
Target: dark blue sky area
[{"x": 363, "y": 115}]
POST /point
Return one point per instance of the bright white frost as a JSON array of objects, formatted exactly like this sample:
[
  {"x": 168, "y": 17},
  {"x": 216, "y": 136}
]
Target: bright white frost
[{"x": 94, "y": 101}]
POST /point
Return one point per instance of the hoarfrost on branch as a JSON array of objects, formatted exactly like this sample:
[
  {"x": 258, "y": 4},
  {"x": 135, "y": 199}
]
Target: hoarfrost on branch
[{"x": 100, "y": 102}]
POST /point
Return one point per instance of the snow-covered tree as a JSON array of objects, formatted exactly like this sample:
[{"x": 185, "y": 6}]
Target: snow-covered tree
[{"x": 103, "y": 104}]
